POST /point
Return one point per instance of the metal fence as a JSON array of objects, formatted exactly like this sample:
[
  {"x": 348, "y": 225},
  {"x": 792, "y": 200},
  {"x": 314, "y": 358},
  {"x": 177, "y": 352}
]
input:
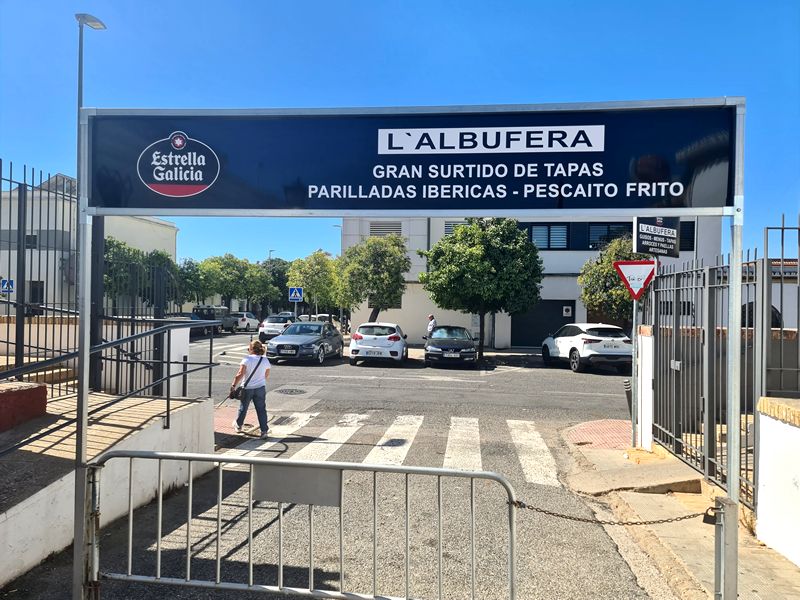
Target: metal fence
[
  {"x": 687, "y": 309},
  {"x": 38, "y": 294},
  {"x": 38, "y": 311},
  {"x": 205, "y": 561}
]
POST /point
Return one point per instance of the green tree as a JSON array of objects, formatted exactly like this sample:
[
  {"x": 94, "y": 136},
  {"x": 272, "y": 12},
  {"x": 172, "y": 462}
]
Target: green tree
[
  {"x": 228, "y": 274},
  {"x": 193, "y": 283},
  {"x": 373, "y": 270},
  {"x": 484, "y": 266},
  {"x": 317, "y": 276},
  {"x": 124, "y": 270},
  {"x": 258, "y": 284},
  {"x": 278, "y": 270},
  {"x": 602, "y": 290}
]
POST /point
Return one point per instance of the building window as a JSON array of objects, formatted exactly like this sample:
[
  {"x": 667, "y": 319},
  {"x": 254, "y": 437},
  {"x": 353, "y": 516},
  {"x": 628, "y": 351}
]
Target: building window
[
  {"x": 550, "y": 237},
  {"x": 382, "y": 228},
  {"x": 687, "y": 236},
  {"x": 601, "y": 234},
  {"x": 397, "y": 304},
  {"x": 449, "y": 226},
  {"x": 31, "y": 242}
]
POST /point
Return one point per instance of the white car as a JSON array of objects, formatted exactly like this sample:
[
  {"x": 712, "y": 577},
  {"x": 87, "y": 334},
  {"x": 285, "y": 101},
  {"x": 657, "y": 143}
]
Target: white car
[
  {"x": 589, "y": 344},
  {"x": 384, "y": 341},
  {"x": 243, "y": 320},
  {"x": 273, "y": 326}
]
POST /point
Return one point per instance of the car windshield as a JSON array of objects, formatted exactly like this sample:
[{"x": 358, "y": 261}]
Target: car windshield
[
  {"x": 376, "y": 330},
  {"x": 606, "y": 332},
  {"x": 452, "y": 333},
  {"x": 277, "y": 319},
  {"x": 303, "y": 329},
  {"x": 237, "y": 315}
]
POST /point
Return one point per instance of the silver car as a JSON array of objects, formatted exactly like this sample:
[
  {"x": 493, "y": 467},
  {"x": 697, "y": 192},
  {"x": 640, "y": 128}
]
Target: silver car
[{"x": 312, "y": 340}]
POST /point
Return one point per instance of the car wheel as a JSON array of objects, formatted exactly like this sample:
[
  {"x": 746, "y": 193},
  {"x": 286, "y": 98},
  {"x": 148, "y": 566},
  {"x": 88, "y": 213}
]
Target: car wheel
[
  {"x": 546, "y": 359},
  {"x": 575, "y": 362},
  {"x": 339, "y": 352},
  {"x": 234, "y": 329},
  {"x": 353, "y": 362},
  {"x": 262, "y": 337},
  {"x": 427, "y": 363},
  {"x": 321, "y": 355},
  {"x": 404, "y": 356},
  {"x": 247, "y": 328},
  {"x": 206, "y": 331}
]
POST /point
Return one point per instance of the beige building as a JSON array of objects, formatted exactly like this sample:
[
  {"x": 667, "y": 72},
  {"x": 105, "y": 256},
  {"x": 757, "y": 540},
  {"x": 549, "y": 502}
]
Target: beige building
[{"x": 564, "y": 247}]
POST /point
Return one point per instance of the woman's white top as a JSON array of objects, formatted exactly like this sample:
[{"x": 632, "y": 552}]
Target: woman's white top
[{"x": 259, "y": 379}]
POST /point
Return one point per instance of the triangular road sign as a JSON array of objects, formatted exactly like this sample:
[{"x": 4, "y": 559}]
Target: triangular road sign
[
  {"x": 636, "y": 275},
  {"x": 295, "y": 294}
]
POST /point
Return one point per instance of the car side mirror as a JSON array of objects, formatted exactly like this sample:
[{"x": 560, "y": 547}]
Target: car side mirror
[
  {"x": 405, "y": 337},
  {"x": 424, "y": 337}
]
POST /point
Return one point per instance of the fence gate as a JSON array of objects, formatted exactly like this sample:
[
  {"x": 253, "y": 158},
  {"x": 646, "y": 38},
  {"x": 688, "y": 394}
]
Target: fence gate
[
  {"x": 687, "y": 309},
  {"x": 313, "y": 529}
]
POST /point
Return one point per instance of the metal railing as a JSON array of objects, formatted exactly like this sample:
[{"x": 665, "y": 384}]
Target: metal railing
[
  {"x": 186, "y": 368},
  {"x": 299, "y": 483},
  {"x": 688, "y": 310}
]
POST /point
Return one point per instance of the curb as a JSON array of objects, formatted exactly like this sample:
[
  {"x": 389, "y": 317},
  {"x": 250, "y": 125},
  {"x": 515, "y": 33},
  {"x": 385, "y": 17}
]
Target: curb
[{"x": 676, "y": 574}]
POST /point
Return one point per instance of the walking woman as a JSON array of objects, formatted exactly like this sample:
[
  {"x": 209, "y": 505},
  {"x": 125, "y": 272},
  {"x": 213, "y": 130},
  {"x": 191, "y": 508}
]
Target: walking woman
[{"x": 254, "y": 370}]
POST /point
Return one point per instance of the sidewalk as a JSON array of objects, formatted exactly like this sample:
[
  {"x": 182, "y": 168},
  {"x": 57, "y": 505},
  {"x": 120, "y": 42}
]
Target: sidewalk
[{"x": 639, "y": 485}]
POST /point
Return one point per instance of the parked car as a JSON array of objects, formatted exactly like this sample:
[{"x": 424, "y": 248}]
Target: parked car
[
  {"x": 449, "y": 344},
  {"x": 382, "y": 341},
  {"x": 286, "y": 313},
  {"x": 589, "y": 344},
  {"x": 274, "y": 325},
  {"x": 312, "y": 340},
  {"x": 194, "y": 331},
  {"x": 215, "y": 313},
  {"x": 243, "y": 320}
]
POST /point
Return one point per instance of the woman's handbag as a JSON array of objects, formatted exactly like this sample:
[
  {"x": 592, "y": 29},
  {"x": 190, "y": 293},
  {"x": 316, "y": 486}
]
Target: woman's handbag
[{"x": 236, "y": 393}]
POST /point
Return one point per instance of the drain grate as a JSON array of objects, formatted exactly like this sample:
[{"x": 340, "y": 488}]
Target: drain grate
[{"x": 290, "y": 391}]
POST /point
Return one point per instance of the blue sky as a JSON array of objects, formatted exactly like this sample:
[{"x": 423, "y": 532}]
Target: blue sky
[{"x": 237, "y": 54}]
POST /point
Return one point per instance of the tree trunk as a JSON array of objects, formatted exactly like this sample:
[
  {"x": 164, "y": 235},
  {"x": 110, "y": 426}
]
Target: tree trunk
[
  {"x": 480, "y": 336},
  {"x": 373, "y": 316}
]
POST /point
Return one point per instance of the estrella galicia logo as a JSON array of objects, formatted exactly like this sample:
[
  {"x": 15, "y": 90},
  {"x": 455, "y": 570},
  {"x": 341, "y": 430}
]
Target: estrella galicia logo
[{"x": 178, "y": 166}]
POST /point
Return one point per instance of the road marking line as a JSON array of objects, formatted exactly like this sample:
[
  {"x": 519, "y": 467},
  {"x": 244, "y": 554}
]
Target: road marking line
[
  {"x": 333, "y": 438},
  {"x": 537, "y": 462},
  {"x": 566, "y": 393},
  {"x": 277, "y": 433},
  {"x": 463, "y": 445},
  {"x": 395, "y": 443}
]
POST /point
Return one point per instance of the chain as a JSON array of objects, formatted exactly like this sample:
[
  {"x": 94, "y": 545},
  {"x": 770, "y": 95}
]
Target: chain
[{"x": 520, "y": 504}]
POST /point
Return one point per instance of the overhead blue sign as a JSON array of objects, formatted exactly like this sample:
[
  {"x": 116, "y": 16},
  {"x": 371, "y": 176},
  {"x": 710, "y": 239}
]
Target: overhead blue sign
[
  {"x": 295, "y": 294},
  {"x": 439, "y": 159},
  {"x": 6, "y": 286}
]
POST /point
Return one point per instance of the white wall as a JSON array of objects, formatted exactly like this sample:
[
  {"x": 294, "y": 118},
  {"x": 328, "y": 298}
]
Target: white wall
[
  {"x": 144, "y": 233},
  {"x": 778, "y": 517},
  {"x": 43, "y": 523}
]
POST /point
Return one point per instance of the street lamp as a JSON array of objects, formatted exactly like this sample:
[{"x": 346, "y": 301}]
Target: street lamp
[{"x": 84, "y": 337}]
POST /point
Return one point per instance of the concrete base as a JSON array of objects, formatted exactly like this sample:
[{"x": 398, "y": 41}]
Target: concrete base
[{"x": 43, "y": 523}]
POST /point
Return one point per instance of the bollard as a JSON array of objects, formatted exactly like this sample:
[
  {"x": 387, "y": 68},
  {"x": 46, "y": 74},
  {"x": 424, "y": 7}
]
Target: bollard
[
  {"x": 726, "y": 530},
  {"x": 626, "y": 383}
]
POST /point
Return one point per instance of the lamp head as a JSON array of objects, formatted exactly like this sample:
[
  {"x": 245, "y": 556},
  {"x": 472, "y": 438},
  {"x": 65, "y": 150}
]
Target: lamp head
[{"x": 90, "y": 20}]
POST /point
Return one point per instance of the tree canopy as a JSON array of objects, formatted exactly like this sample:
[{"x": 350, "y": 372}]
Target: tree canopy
[
  {"x": 602, "y": 290},
  {"x": 317, "y": 276},
  {"x": 484, "y": 266},
  {"x": 373, "y": 270}
]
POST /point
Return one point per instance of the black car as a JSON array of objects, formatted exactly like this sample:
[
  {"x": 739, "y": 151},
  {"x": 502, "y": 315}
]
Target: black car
[
  {"x": 448, "y": 344},
  {"x": 312, "y": 340}
]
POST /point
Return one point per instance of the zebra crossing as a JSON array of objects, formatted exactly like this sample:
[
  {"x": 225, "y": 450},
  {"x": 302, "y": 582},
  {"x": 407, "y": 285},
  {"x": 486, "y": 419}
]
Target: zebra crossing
[{"x": 309, "y": 436}]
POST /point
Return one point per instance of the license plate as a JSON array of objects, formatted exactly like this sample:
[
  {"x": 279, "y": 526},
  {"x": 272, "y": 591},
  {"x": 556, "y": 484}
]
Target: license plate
[
  {"x": 611, "y": 346},
  {"x": 373, "y": 353},
  {"x": 452, "y": 355},
  {"x": 286, "y": 351}
]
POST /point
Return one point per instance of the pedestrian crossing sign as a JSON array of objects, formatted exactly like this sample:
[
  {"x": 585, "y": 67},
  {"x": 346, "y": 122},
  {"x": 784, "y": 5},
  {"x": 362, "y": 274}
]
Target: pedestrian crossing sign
[
  {"x": 295, "y": 294},
  {"x": 6, "y": 286}
]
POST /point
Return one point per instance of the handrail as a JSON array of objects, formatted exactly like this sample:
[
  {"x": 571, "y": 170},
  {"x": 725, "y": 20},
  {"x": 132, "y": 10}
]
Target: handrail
[{"x": 43, "y": 364}]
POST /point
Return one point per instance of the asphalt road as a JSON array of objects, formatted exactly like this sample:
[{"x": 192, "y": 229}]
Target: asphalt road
[{"x": 506, "y": 418}]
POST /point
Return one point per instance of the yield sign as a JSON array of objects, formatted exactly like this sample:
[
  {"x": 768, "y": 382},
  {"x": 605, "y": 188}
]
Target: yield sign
[{"x": 636, "y": 275}]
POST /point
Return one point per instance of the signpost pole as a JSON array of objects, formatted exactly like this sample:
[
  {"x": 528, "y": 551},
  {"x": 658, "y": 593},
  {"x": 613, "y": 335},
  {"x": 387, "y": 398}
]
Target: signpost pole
[{"x": 634, "y": 374}]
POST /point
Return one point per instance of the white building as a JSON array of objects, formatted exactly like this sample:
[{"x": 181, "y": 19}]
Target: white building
[
  {"x": 51, "y": 238},
  {"x": 564, "y": 248}
]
